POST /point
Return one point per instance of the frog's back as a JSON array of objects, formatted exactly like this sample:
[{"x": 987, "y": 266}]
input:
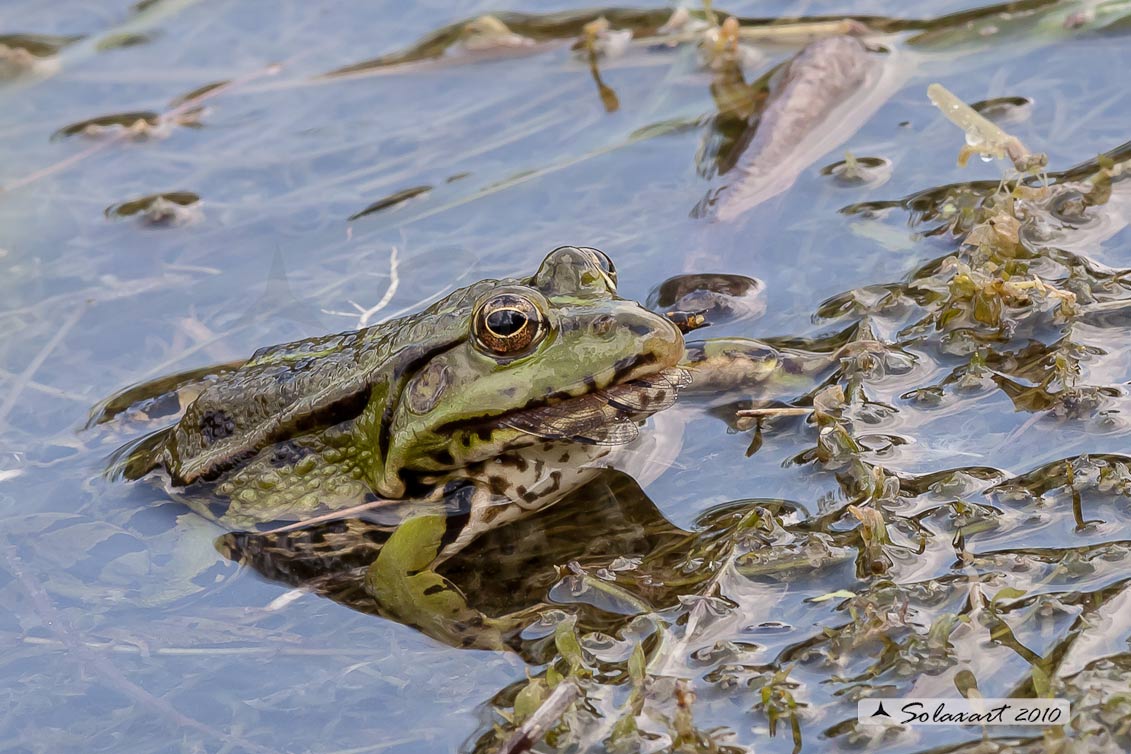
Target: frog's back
[{"x": 296, "y": 388}]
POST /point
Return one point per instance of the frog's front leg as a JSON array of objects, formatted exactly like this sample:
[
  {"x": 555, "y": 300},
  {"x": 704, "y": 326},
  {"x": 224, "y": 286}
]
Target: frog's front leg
[{"x": 734, "y": 367}]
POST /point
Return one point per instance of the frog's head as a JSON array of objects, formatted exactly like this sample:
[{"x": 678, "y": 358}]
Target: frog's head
[{"x": 556, "y": 356}]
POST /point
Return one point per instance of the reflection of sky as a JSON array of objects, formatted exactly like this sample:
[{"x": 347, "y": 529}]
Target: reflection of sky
[{"x": 90, "y": 305}]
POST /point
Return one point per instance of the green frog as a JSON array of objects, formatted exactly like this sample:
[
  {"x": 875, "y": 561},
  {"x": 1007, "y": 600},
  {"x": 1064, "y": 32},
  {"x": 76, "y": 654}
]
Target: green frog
[{"x": 491, "y": 403}]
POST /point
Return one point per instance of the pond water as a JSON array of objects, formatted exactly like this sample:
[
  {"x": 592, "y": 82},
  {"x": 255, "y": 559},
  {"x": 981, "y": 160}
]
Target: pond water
[{"x": 297, "y": 201}]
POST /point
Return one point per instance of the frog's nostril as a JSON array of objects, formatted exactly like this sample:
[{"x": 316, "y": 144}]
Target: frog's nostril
[{"x": 602, "y": 325}]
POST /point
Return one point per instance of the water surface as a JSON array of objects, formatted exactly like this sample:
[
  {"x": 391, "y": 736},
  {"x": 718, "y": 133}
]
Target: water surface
[{"x": 124, "y": 629}]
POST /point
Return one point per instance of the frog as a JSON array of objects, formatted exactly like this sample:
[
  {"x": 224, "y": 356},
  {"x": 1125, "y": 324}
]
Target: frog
[
  {"x": 491, "y": 403},
  {"x": 358, "y": 464}
]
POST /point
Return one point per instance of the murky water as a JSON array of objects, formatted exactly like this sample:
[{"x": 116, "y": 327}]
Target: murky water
[{"x": 172, "y": 233}]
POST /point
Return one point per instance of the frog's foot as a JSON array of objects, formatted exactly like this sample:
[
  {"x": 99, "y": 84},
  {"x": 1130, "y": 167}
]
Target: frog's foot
[
  {"x": 162, "y": 399},
  {"x": 135, "y": 459},
  {"x": 688, "y": 321},
  {"x": 724, "y": 367}
]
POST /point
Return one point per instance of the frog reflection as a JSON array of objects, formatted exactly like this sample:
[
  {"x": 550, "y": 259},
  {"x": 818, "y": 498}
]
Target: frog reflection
[
  {"x": 507, "y": 589},
  {"x": 493, "y": 589}
]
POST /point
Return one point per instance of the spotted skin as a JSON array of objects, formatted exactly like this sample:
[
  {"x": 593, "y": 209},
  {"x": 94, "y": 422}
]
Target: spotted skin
[
  {"x": 512, "y": 486},
  {"x": 723, "y": 367}
]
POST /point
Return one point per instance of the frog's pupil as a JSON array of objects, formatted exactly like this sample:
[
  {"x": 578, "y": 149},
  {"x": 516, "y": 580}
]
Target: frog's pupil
[{"x": 506, "y": 322}]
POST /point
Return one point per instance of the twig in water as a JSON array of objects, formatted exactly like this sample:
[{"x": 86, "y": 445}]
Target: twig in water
[
  {"x": 333, "y": 516},
  {"x": 760, "y": 412},
  {"x": 750, "y": 417},
  {"x": 546, "y": 715},
  {"x": 394, "y": 282},
  {"x": 58, "y": 625},
  {"x": 25, "y": 376},
  {"x": 366, "y": 315},
  {"x": 170, "y": 115}
]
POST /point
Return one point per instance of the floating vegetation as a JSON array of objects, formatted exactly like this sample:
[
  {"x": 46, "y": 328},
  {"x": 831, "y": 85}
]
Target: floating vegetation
[
  {"x": 489, "y": 33},
  {"x": 125, "y": 39},
  {"x": 393, "y": 200},
  {"x": 1005, "y": 110},
  {"x": 201, "y": 92},
  {"x": 24, "y": 53},
  {"x": 168, "y": 209},
  {"x": 719, "y": 297},
  {"x": 854, "y": 171},
  {"x": 1004, "y": 308},
  {"x": 139, "y": 125},
  {"x": 184, "y": 110},
  {"x": 600, "y": 40},
  {"x": 37, "y": 45},
  {"x": 495, "y": 34}
]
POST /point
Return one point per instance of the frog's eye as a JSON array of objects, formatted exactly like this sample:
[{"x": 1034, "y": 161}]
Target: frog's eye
[
  {"x": 605, "y": 264},
  {"x": 508, "y": 324}
]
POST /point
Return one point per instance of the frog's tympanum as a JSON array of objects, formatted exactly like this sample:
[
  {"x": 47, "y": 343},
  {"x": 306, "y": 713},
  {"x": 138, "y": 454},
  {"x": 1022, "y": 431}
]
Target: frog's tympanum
[{"x": 493, "y": 402}]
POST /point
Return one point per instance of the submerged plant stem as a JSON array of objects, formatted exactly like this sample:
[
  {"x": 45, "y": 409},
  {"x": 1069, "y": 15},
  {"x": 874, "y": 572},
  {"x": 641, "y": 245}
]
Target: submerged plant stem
[
  {"x": 531, "y": 731},
  {"x": 114, "y": 677},
  {"x": 16, "y": 390}
]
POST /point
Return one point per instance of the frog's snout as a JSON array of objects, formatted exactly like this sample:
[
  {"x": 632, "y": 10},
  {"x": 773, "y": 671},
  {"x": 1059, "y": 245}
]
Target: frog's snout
[{"x": 659, "y": 338}]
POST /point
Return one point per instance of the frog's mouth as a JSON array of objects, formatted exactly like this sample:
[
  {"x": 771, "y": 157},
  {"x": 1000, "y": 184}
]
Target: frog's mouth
[{"x": 605, "y": 416}]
